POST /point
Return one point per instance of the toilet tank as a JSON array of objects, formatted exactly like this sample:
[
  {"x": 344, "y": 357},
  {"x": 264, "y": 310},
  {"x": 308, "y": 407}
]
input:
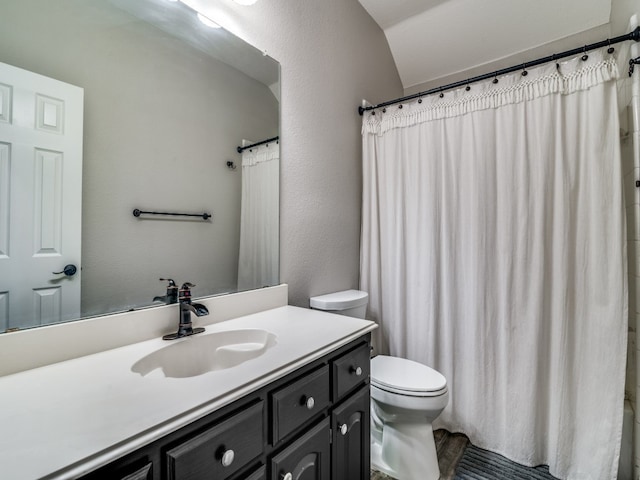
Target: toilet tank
[{"x": 352, "y": 303}]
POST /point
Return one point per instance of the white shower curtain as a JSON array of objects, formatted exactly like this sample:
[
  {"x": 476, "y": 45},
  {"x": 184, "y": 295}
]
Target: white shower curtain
[
  {"x": 258, "y": 264},
  {"x": 493, "y": 249}
]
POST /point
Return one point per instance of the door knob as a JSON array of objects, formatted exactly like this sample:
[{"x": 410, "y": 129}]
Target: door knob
[{"x": 68, "y": 270}]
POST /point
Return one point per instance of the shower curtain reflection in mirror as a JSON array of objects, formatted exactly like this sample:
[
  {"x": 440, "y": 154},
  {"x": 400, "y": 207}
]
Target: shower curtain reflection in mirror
[{"x": 259, "y": 218}]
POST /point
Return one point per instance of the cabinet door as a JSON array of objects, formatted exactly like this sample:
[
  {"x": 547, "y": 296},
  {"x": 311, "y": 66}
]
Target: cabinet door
[
  {"x": 351, "y": 447},
  {"x": 307, "y": 458}
]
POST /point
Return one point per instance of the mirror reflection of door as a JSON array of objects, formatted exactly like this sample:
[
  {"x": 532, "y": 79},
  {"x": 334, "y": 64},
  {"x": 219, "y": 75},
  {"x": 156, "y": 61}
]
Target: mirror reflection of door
[{"x": 41, "y": 124}]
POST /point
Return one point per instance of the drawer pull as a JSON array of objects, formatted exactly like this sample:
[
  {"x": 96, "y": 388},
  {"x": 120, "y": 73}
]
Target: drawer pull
[
  {"x": 309, "y": 402},
  {"x": 357, "y": 371},
  {"x": 344, "y": 429},
  {"x": 227, "y": 458},
  {"x": 286, "y": 476}
]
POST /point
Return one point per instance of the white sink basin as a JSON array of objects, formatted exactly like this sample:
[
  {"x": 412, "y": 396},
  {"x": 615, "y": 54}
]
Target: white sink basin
[{"x": 203, "y": 353}]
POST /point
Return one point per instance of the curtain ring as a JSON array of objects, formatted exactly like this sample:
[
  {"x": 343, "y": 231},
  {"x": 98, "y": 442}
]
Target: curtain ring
[
  {"x": 441, "y": 94},
  {"x": 373, "y": 112},
  {"x": 524, "y": 69},
  {"x": 553, "y": 57},
  {"x": 610, "y": 50},
  {"x": 400, "y": 106},
  {"x": 585, "y": 56},
  {"x": 467, "y": 88},
  {"x": 495, "y": 78},
  {"x": 384, "y": 110},
  {"x": 420, "y": 100}
]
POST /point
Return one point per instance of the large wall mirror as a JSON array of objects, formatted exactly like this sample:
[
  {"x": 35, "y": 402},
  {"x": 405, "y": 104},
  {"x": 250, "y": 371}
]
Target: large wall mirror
[{"x": 107, "y": 106}]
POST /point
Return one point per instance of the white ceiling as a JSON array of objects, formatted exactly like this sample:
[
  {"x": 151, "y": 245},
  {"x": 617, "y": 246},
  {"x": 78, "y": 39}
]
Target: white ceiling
[{"x": 430, "y": 39}]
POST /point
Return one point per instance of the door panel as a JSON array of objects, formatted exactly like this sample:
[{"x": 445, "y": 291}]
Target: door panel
[
  {"x": 47, "y": 209},
  {"x": 5, "y": 169},
  {"x": 47, "y": 305},
  {"x": 4, "y": 310}
]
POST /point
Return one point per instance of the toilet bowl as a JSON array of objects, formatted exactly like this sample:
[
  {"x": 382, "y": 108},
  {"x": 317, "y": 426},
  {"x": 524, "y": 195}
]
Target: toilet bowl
[{"x": 406, "y": 397}]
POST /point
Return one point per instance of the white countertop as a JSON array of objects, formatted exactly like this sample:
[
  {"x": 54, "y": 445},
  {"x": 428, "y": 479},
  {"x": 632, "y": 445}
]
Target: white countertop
[{"x": 68, "y": 418}]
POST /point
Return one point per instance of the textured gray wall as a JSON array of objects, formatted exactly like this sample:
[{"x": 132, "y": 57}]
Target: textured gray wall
[{"x": 332, "y": 55}]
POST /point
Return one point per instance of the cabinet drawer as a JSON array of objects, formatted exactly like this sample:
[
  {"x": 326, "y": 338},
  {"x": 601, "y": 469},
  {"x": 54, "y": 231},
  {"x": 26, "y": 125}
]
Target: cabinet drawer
[
  {"x": 124, "y": 469},
  {"x": 294, "y": 404},
  {"x": 220, "y": 450},
  {"x": 144, "y": 473},
  {"x": 350, "y": 370}
]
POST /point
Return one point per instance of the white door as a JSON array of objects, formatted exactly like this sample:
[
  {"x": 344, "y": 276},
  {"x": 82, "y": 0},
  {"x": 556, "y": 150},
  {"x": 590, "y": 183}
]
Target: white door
[{"x": 40, "y": 198}]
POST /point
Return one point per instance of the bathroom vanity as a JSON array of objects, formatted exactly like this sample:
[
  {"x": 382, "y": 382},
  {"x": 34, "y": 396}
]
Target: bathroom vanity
[
  {"x": 316, "y": 419},
  {"x": 300, "y": 404}
]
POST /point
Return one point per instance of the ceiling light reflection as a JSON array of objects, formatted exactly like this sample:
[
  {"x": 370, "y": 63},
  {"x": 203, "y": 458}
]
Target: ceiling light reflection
[{"x": 207, "y": 21}]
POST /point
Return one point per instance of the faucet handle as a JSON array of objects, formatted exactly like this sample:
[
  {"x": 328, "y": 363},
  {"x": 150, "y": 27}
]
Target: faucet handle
[
  {"x": 172, "y": 292},
  {"x": 185, "y": 292},
  {"x": 172, "y": 284}
]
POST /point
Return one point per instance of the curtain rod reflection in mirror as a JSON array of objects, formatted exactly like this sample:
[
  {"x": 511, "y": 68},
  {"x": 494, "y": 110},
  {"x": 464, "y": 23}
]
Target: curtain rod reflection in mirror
[
  {"x": 204, "y": 216},
  {"x": 274, "y": 139}
]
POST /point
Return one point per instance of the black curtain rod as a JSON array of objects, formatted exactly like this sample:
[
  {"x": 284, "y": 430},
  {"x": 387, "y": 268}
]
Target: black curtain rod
[
  {"x": 635, "y": 35},
  {"x": 274, "y": 139}
]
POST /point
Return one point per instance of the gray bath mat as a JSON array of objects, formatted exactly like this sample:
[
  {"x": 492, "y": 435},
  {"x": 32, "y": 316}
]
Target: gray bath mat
[{"x": 479, "y": 464}]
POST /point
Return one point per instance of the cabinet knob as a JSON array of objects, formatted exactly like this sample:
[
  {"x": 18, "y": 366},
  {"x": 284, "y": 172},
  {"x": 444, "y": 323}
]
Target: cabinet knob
[
  {"x": 309, "y": 402},
  {"x": 227, "y": 458},
  {"x": 344, "y": 429},
  {"x": 357, "y": 371},
  {"x": 286, "y": 476}
]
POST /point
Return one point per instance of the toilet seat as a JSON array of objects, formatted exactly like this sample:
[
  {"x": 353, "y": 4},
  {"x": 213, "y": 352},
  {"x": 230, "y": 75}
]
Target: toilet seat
[{"x": 406, "y": 377}]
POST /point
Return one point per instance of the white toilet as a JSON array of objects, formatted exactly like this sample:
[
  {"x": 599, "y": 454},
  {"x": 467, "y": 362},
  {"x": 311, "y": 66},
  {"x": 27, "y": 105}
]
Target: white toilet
[{"x": 406, "y": 397}]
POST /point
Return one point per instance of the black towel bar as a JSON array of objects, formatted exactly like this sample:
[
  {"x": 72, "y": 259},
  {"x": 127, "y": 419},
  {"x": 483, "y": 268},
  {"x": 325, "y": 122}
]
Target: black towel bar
[{"x": 205, "y": 216}]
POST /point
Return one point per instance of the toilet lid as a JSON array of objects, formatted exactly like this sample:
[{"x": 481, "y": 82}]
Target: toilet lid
[{"x": 400, "y": 374}]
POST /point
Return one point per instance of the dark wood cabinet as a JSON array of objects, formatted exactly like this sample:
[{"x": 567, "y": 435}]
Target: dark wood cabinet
[
  {"x": 351, "y": 445},
  {"x": 312, "y": 424},
  {"x": 140, "y": 468},
  {"x": 143, "y": 473},
  {"x": 260, "y": 474},
  {"x": 221, "y": 450},
  {"x": 350, "y": 370},
  {"x": 295, "y": 404},
  {"x": 307, "y": 458}
]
